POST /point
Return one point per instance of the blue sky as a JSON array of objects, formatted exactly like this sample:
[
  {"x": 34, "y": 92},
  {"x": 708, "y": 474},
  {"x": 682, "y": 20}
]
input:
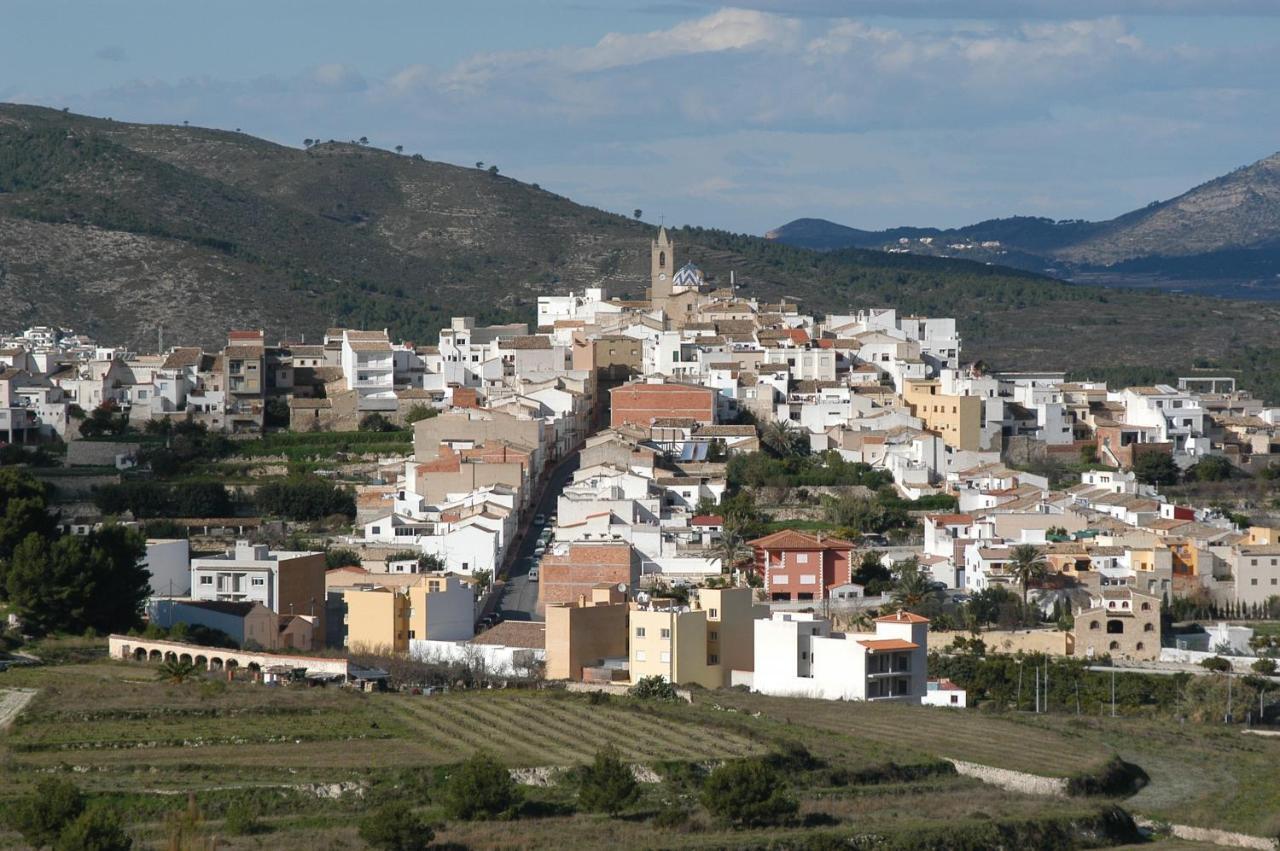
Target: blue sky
[{"x": 870, "y": 112}]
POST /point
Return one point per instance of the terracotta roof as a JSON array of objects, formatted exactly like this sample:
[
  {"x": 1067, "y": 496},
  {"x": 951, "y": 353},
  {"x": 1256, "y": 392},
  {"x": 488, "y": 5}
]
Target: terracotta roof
[
  {"x": 790, "y": 539},
  {"x": 882, "y": 644},
  {"x": 183, "y": 357},
  {"x": 707, "y": 520},
  {"x": 901, "y": 616},
  {"x": 951, "y": 519},
  {"x": 531, "y": 342},
  {"x": 243, "y": 352}
]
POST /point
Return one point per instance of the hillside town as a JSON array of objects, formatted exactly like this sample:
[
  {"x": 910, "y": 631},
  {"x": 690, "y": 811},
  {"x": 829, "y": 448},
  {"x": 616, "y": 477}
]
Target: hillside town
[{"x": 697, "y": 487}]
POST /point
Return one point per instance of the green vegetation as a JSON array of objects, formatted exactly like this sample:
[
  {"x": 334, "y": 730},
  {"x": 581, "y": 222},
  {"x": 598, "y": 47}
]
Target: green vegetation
[
  {"x": 395, "y": 827},
  {"x": 146, "y": 499},
  {"x": 1156, "y": 468},
  {"x": 47, "y": 811},
  {"x": 305, "y": 498},
  {"x": 748, "y": 793},
  {"x": 480, "y": 788},
  {"x": 757, "y": 469},
  {"x": 607, "y": 784}
]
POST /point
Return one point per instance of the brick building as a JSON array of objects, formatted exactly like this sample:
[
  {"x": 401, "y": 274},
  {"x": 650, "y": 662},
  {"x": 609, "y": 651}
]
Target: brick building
[
  {"x": 641, "y": 404},
  {"x": 572, "y": 572},
  {"x": 796, "y": 566}
]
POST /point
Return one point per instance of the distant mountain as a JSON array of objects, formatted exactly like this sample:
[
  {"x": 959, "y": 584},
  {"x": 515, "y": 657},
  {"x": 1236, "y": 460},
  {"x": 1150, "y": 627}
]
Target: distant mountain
[
  {"x": 120, "y": 229},
  {"x": 1228, "y": 228}
]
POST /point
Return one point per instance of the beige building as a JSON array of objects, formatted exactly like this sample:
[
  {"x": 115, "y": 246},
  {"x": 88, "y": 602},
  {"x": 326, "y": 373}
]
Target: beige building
[
  {"x": 957, "y": 419},
  {"x": 471, "y": 427},
  {"x": 1122, "y": 623},
  {"x": 700, "y": 643},
  {"x": 586, "y": 633},
  {"x": 385, "y": 620}
]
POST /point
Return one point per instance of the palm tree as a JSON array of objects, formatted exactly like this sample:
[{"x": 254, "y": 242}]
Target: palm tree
[
  {"x": 731, "y": 549},
  {"x": 782, "y": 437},
  {"x": 912, "y": 586},
  {"x": 1027, "y": 567},
  {"x": 176, "y": 671}
]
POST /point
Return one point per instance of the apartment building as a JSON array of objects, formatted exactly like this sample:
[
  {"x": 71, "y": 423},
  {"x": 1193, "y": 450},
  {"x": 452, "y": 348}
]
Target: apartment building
[
  {"x": 640, "y": 404},
  {"x": 288, "y": 583},
  {"x": 244, "y": 381},
  {"x": 570, "y": 571},
  {"x": 798, "y": 655},
  {"x": 368, "y": 369},
  {"x": 958, "y": 419},
  {"x": 588, "y": 635},
  {"x": 386, "y": 619},
  {"x": 702, "y": 642}
]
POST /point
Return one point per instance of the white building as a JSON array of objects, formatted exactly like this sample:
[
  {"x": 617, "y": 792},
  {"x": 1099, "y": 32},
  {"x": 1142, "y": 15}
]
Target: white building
[{"x": 797, "y": 655}]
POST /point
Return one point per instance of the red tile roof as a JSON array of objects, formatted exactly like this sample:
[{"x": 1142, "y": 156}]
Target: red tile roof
[
  {"x": 888, "y": 644},
  {"x": 791, "y": 539},
  {"x": 903, "y": 617}
]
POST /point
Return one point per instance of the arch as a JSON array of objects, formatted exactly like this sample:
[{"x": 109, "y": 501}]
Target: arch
[
  {"x": 186, "y": 657},
  {"x": 1115, "y": 645},
  {"x": 1149, "y": 627},
  {"x": 170, "y": 656},
  {"x": 215, "y": 663},
  {"x": 1115, "y": 626},
  {"x": 140, "y": 654},
  {"x": 155, "y": 656},
  {"x": 1146, "y": 607},
  {"x": 1094, "y": 625},
  {"x": 232, "y": 664},
  {"x": 662, "y": 259},
  {"x": 254, "y": 667},
  {"x": 202, "y": 661},
  {"x": 1140, "y": 645}
]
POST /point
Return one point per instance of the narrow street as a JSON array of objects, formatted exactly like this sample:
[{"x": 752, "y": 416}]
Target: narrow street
[{"x": 520, "y": 596}]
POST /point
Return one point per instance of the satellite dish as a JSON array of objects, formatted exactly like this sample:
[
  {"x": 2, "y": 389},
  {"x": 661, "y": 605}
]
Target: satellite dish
[{"x": 622, "y": 586}]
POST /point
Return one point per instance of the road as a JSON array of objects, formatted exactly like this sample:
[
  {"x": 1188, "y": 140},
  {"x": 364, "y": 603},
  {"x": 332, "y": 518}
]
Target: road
[{"x": 520, "y": 596}]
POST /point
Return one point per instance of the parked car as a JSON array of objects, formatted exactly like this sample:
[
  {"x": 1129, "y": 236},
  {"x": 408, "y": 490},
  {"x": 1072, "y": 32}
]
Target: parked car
[
  {"x": 533, "y": 573},
  {"x": 539, "y": 550},
  {"x": 539, "y": 519}
]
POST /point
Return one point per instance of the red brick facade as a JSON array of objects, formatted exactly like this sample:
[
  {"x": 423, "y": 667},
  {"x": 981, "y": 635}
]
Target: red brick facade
[
  {"x": 564, "y": 578},
  {"x": 796, "y": 566},
  {"x": 641, "y": 404}
]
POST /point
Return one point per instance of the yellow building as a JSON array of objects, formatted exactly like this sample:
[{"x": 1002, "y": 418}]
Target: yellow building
[
  {"x": 385, "y": 620},
  {"x": 957, "y": 419},
  {"x": 700, "y": 643},
  {"x": 586, "y": 633}
]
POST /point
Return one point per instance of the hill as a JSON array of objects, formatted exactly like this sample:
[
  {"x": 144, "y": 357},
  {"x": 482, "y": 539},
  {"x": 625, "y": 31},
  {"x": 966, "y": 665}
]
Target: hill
[
  {"x": 118, "y": 229},
  {"x": 1227, "y": 229}
]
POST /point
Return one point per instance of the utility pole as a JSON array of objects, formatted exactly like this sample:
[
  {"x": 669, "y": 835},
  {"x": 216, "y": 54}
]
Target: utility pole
[
  {"x": 1113, "y": 692},
  {"x": 1018, "y": 701}
]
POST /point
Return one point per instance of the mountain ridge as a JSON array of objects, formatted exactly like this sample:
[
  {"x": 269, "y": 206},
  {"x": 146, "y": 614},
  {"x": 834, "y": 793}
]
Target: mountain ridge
[
  {"x": 119, "y": 230},
  {"x": 1208, "y": 231}
]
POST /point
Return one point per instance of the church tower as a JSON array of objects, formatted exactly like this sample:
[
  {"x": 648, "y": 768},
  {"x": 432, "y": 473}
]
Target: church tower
[{"x": 662, "y": 264}]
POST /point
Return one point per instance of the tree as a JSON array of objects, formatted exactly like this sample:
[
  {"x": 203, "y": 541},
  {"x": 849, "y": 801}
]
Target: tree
[
  {"x": 479, "y": 165},
  {"x": 105, "y": 419},
  {"x": 855, "y": 512},
  {"x": 607, "y": 785},
  {"x": 419, "y": 412},
  {"x": 42, "y": 815},
  {"x": 24, "y": 511},
  {"x": 1211, "y": 468},
  {"x": 96, "y": 829},
  {"x": 1089, "y": 454},
  {"x": 1155, "y": 468},
  {"x": 480, "y": 788},
  {"x": 1027, "y": 566},
  {"x": 1216, "y": 663},
  {"x": 80, "y": 582},
  {"x": 341, "y": 557},
  {"x": 637, "y": 213},
  {"x": 731, "y": 549},
  {"x": 304, "y": 498},
  {"x": 784, "y": 439},
  {"x": 399, "y": 149},
  {"x": 364, "y": 140},
  {"x": 748, "y": 793},
  {"x": 1266, "y": 667},
  {"x": 307, "y": 143},
  {"x": 912, "y": 587},
  {"x": 176, "y": 671},
  {"x": 871, "y": 574},
  {"x": 493, "y": 170},
  {"x": 376, "y": 422},
  {"x": 395, "y": 827}
]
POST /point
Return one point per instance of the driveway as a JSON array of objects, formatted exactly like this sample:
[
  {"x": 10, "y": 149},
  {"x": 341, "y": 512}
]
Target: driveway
[{"x": 520, "y": 596}]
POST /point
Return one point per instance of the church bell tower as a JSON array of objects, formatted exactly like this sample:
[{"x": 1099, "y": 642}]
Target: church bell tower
[{"x": 662, "y": 264}]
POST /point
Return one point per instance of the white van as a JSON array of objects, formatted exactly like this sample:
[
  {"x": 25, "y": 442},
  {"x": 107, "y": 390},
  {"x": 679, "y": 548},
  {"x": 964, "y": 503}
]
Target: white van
[{"x": 533, "y": 574}]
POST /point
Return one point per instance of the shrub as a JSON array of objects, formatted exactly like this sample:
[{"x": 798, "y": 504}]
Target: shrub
[
  {"x": 1266, "y": 667},
  {"x": 304, "y": 498},
  {"x": 1116, "y": 777},
  {"x": 42, "y": 815},
  {"x": 1216, "y": 663},
  {"x": 480, "y": 788},
  {"x": 419, "y": 412},
  {"x": 96, "y": 829},
  {"x": 653, "y": 688},
  {"x": 375, "y": 422},
  {"x": 607, "y": 785},
  {"x": 395, "y": 827},
  {"x": 748, "y": 793}
]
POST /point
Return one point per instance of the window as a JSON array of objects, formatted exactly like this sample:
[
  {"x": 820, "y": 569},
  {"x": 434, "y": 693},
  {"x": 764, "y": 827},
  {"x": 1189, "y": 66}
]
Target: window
[
  {"x": 664, "y": 656},
  {"x": 641, "y": 656},
  {"x": 711, "y": 613},
  {"x": 1146, "y": 607},
  {"x": 259, "y": 582},
  {"x": 802, "y": 558},
  {"x": 413, "y": 633},
  {"x": 1115, "y": 645},
  {"x": 1148, "y": 628},
  {"x": 780, "y": 580},
  {"x": 713, "y": 659},
  {"x": 665, "y": 633},
  {"x": 1140, "y": 646},
  {"x": 376, "y": 530},
  {"x": 1253, "y": 581},
  {"x": 639, "y": 632},
  {"x": 713, "y": 636},
  {"x": 1093, "y": 624},
  {"x": 206, "y": 580},
  {"x": 804, "y": 654}
]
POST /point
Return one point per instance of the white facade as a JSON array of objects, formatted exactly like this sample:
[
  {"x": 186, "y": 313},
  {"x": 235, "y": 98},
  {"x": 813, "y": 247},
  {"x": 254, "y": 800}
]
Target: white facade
[{"x": 169, "y": 562}]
